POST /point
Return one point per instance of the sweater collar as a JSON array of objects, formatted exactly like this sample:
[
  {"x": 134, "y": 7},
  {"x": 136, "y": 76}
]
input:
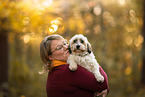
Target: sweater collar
[{"x": 58, "y": 63}]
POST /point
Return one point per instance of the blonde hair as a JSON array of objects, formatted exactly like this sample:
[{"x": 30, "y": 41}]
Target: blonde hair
[{"x": 45, "y": 51}]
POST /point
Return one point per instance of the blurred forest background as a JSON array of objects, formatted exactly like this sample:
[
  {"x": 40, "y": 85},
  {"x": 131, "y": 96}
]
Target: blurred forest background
[{"x": 115, "y": 28}]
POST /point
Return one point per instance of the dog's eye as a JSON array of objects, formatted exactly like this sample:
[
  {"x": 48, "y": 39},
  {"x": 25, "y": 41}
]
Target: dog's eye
[
  {"x": 82, "y": 41},
  {"x": 75, "y": 41}
]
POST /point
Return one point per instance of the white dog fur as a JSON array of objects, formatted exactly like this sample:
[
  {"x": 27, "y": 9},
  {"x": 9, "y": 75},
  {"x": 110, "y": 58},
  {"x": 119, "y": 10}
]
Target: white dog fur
[{"x": 81, "y": 54}]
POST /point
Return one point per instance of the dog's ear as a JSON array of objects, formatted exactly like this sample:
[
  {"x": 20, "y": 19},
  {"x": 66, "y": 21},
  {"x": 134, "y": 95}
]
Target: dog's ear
[
  {"x": 89, "y": 48},
  {"x": 69, "y": 49}
]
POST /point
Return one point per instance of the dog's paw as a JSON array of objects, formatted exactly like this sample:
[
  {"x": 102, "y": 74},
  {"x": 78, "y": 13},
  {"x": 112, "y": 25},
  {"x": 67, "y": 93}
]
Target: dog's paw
[
  {"x": 100, "y": 78},
  {"x": 73, "y": 67}
]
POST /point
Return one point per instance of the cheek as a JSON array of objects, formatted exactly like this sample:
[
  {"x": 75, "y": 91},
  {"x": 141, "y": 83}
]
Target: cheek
[
  {"x": 59, "y": 53},
  {"x": 83, "y": 47},
  {"x": 73, "y": 46}
]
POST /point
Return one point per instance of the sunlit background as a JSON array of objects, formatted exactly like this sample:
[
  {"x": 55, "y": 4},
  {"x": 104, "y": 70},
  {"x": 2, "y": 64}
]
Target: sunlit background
[{"x": 113, "y": 27}]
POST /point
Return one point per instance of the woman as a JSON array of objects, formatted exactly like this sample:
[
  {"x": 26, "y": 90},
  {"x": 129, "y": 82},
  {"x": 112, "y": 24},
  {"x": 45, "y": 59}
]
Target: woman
[{"x": 62, "y": 82}]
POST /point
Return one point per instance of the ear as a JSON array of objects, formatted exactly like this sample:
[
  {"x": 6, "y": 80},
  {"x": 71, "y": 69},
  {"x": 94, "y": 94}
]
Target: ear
[
  {"x": 69, "y": 49},
  {"x": 50, "y": 58},
  {"x": 89, "y": 48}
]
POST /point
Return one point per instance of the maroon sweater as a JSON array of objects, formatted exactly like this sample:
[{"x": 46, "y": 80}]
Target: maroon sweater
[{"x": 62, "y": 82}]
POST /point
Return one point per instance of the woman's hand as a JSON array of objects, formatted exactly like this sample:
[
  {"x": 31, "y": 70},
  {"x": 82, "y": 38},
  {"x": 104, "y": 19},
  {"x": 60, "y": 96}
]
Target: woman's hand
[{"x": 103, "y": 93}]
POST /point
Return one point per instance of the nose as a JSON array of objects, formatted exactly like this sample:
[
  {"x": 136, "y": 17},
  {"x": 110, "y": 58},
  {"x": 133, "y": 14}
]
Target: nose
[
  {"x": 78, "y": 46},
  {"x": 65, "y": 47}
]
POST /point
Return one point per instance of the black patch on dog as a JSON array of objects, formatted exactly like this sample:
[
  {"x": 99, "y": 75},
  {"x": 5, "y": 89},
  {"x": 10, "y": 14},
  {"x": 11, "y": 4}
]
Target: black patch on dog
[
  {"x": 89, "y": 49},
  {"x": 69, "y": 49}
]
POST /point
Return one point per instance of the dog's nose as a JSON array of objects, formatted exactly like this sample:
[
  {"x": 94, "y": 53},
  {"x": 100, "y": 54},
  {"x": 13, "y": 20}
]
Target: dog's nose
[{"x": 78, "y": 46}]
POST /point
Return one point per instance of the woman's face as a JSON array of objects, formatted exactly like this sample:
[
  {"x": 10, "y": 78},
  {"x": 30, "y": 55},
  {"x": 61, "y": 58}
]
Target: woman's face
[{"x": 59, "y": 50}]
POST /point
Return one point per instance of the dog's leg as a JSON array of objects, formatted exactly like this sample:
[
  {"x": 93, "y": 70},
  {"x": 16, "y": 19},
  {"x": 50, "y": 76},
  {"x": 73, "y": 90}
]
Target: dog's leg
[
  {"x": 99, "y": 77},
  {"x": 97, "y": 73},
  {"x": 72, "y": 64}
]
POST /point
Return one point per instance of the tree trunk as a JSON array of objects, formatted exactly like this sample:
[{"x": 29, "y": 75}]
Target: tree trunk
[
  {"x": 143, "y": 49},
  {"x": 3, "y": 64}
]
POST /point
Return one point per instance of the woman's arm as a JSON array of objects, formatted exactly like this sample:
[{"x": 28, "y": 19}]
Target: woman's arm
[
  {"x": 106, "y": 79},
  {"x": 86, "y": 80}
]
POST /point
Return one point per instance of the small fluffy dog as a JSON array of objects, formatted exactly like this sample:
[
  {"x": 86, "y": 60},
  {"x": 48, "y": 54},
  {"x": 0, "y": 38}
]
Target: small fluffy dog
[{"x": 81, "y": 54}]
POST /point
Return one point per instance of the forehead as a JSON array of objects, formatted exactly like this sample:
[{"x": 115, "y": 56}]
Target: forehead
[
  {"x": 78, "y": 37},
  {"x": 55, "y": 43}
]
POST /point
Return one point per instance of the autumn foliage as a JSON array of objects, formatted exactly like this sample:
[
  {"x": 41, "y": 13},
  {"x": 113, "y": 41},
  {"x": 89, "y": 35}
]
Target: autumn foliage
[{"x": 113, "y": 27}]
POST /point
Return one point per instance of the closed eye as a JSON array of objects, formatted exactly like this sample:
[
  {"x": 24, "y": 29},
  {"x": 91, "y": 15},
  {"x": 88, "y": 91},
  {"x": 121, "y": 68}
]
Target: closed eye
[{"x": 65, "y": 43}]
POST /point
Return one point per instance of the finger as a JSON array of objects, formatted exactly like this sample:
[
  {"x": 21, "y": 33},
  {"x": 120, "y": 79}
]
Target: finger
[
  {"x": 99, "y": 94},
  {"x": 104, "y": 95}
]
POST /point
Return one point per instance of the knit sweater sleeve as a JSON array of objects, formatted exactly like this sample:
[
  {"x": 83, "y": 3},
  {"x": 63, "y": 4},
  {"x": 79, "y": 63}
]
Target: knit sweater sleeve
[{"x": 87, "y": 81}]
